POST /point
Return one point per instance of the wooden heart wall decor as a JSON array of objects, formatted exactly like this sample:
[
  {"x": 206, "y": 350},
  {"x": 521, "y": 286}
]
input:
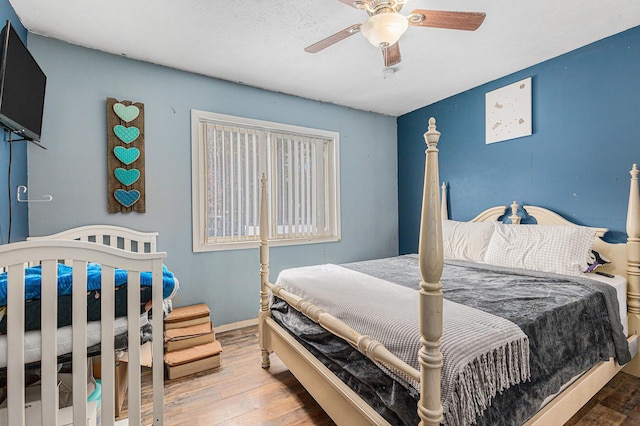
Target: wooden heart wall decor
[{"x": 125, "y": 156}]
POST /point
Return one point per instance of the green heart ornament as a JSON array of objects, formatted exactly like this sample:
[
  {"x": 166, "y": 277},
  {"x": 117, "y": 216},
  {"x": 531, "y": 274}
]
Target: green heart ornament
[
  {"x": 126, "y": 113},
  {"x": 126, "y": 198},
  {"x": 126, "y": 134},
  {"x": 127, "y": 177},
  {"x": 126, "y": 155}
]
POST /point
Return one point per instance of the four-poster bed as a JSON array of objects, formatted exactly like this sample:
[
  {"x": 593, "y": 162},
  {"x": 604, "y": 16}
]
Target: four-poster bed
[{"x": 347, "y": 407}]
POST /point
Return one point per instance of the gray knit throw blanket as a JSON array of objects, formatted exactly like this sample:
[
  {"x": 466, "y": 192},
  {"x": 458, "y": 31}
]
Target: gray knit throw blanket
[{"x": 483, "y": 354}]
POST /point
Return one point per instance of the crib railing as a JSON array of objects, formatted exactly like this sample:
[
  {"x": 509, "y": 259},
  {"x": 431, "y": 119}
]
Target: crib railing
[{"x": 14, "y": 257}]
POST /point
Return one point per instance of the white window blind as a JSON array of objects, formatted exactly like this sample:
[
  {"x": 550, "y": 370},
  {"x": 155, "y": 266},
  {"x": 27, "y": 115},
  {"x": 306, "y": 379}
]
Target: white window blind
[
  {"x": 233, "y": 185},
  {"x": 231, "y": 154},
  {"x": 302, "y": 199}
]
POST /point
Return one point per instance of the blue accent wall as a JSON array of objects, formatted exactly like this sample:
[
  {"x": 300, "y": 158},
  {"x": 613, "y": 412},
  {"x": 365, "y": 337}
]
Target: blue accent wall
[
  {"x": 74, "y": 168},
  {"x": 16, "y": 174},
  {"x": 586, "y": 136}
]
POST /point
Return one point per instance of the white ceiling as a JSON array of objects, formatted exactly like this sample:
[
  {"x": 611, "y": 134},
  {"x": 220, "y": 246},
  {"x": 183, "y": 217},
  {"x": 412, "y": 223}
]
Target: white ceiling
[{"x": 260, "y": 42}]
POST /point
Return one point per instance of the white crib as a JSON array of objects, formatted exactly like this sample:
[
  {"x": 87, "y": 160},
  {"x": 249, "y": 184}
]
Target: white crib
[{"x": 78, "y": 247}]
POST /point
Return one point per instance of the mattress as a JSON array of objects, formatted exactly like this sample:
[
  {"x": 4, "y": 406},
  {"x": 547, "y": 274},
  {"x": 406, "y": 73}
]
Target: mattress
[
  {"x": 33, "y": 340},
  {"x": 620, "y": 284}
]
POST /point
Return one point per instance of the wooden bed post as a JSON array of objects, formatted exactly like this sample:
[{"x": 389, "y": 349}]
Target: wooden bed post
[
  {"x": 515, "y": 219},
  {"x": 633, "y": 265},
  {"x": 264, "y": 272},
  {"x": 431, "y": 262},
  {"x": 444, "y": 210}
]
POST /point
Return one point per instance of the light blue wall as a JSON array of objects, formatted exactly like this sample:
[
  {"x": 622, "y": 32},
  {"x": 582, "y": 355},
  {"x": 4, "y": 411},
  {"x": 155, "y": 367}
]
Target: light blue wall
[
  {"x": 586, "y": 136},
  {"x": 18, "y": 154},
  {"x": 74, "y": 169}
]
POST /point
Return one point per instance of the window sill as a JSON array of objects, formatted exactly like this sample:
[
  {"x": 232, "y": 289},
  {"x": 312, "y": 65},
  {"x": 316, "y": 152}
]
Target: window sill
[{"x": 239, "y": 245}]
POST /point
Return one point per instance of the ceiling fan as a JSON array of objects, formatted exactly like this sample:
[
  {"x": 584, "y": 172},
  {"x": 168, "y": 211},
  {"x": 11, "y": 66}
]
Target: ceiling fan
[{"x": 385, "y": 25}]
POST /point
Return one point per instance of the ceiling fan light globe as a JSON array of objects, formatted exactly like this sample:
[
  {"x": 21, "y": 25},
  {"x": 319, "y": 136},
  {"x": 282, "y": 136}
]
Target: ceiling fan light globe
[{"x": 384, "y": 29}]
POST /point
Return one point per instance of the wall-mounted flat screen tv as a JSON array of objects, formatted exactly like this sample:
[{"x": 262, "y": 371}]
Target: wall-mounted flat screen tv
[{"x": 22, "y": 87}]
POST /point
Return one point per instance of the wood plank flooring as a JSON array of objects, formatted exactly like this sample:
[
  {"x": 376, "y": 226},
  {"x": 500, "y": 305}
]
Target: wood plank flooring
[
  {"x": 618, "y": 403},
  {"x": 241, "y": 393}
]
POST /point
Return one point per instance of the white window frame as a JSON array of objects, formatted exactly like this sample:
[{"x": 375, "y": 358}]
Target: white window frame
[{"x": 199, "y": 185}]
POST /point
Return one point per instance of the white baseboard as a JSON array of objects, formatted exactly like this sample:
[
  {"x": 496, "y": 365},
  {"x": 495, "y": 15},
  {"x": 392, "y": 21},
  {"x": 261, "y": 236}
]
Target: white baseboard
[{"x": 236, "y": 325}]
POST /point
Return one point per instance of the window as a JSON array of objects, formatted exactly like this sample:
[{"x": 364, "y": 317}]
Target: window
[{"x": 229, "y": 157}]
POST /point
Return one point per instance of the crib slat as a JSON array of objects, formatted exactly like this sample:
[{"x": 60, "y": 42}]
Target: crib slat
[
  {"x": 113, "y": 240},
  {"x": 107, "y": 348},
  {"x": 15, "y": 341},
  {"x": 128, "y": 244},
  {"x": 158, "y": 347},
  {"x": 133, "y": 318},
  {"x": 49, "y": 328},
  {"x": 79, "y": 361}
]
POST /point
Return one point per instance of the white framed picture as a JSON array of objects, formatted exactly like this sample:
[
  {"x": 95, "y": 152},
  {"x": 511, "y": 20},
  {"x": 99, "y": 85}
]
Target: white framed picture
[{"x": 508, "y": 112}]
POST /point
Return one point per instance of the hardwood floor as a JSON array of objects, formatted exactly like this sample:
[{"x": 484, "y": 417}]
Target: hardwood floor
[
  {"x": 618, "y": 403},
  {"x": 240, "y": 392}
]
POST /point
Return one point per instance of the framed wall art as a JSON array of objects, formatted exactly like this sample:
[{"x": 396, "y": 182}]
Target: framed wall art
[{"x": 508, "y": 112}]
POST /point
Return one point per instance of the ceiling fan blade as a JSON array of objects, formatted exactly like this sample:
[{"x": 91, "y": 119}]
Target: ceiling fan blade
[
  {"x": 391, "y": 55},
  {"x": 468, "y": 21},
  {"x": 332, "y": 39}
]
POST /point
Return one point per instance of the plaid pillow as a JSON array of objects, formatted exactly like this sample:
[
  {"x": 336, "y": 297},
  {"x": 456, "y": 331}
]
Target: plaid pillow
[{"x": 560, "y": 249}]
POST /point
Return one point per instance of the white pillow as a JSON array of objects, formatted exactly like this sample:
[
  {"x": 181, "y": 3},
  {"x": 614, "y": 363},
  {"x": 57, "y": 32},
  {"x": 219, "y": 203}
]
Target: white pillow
[
  {"x": 560, "y": 249},
  {"x": 466, "y": 240}
]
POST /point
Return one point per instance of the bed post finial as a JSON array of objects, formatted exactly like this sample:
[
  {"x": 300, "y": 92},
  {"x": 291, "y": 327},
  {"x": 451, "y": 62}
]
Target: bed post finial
[
  {"x": 444, "y": 208},
  {"x": 432, "y": 136},
  {"x": 515, "y": 219},
  {"x": 633, "y": 223},
  {"x": 264, "y": 270},
  {"x": 430, "y": 256}
]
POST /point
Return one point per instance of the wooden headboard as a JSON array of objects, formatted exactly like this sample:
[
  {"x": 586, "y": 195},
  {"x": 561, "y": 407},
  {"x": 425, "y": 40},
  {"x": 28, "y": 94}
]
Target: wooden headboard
[{"x": 616, "y": 252}]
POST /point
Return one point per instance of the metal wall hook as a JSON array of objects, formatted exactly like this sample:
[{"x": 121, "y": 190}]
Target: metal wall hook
[{"x": 22, "y": 189}]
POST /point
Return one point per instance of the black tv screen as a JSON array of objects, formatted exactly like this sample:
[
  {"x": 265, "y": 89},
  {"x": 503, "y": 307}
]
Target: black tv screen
[{"x": 22, "y": 86}]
